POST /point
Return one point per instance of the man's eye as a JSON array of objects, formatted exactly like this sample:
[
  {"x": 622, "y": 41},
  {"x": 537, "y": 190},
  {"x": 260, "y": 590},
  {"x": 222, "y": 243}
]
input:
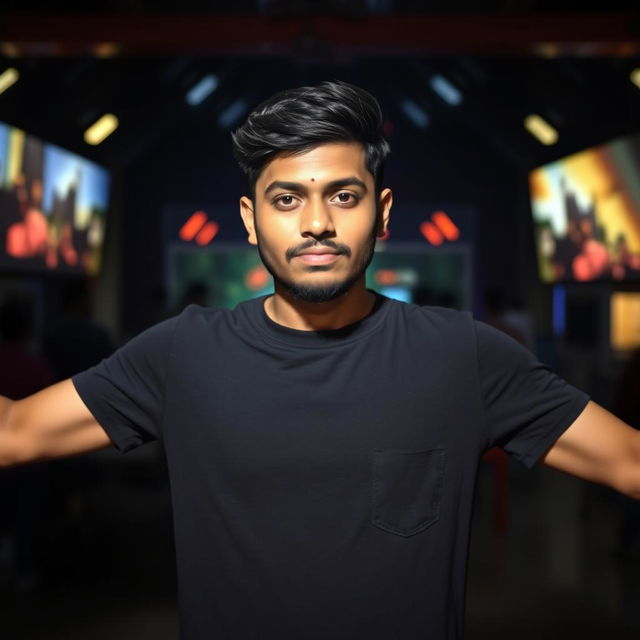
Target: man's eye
[
  {"x": 285, "y": 200},
  {"x": 346, "y": 198}
]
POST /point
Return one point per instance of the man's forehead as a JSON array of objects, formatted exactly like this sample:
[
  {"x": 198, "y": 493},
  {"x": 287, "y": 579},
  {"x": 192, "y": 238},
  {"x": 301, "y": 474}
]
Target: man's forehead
[{"x": 321, "y": 163}]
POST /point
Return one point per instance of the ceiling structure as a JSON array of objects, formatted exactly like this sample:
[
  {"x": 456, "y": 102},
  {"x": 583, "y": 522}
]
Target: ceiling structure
[{"x": 139, "y": 59}]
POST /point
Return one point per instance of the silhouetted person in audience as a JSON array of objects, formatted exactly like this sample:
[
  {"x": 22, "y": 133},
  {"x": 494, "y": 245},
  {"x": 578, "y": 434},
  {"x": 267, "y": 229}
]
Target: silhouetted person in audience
[
  {"x": 22, "y": 490},
  {"x": 195, "y": 293},
  {"x": 74, "y": 342},
  {"x": 496, "y": 307}
]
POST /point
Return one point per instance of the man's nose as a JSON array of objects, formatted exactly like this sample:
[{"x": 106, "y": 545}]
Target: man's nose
[{"x": 316, "y": 220}]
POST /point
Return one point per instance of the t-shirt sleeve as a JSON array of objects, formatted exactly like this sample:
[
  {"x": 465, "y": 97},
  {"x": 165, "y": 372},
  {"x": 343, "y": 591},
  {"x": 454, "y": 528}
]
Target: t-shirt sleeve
[
  {"x": 126, "y": 391},
  {"x": 527, "y": 406}
]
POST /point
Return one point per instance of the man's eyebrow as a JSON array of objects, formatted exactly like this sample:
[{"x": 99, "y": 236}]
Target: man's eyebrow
[
  {"x": 285, "y": 186},
  {"x": 351, "y": 181}
]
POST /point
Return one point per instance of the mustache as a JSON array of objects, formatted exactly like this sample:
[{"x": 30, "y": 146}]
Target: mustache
[{"x": 338, "y": 247}]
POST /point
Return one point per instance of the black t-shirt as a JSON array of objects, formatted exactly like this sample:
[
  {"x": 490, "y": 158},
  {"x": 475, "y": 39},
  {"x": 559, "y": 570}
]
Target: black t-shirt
[{"x": 322, "y": 482}]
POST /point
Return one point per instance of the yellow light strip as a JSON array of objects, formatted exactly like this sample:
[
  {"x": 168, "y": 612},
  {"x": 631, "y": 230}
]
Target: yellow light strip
[
  {"x": 101, "y": 129},
  {"x": 635, "y": 77},
  {"x": 7, "y": 78},
  {"x": 540, "y": 129}
]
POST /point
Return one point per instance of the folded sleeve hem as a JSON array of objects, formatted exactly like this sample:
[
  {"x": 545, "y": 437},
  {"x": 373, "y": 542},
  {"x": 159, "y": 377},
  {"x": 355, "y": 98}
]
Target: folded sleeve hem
[
  {"x": 546, "y": 441},
  {"x": 120, "y": 435}
]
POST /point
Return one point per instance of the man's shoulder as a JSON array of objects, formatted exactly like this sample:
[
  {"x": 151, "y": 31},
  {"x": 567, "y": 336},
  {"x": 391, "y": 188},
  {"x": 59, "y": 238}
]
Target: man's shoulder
[
  {"x": 195, "y": 317},
  {"x": 432, "y": 316}
]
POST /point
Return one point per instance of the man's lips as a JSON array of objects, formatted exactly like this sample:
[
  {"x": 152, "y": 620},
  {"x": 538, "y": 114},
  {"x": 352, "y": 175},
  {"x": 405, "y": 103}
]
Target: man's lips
[{"x": 317, "y": 255}]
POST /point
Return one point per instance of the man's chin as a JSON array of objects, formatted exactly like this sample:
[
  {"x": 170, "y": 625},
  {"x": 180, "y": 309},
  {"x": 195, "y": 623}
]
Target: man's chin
[{"x": 316, "y": 293}]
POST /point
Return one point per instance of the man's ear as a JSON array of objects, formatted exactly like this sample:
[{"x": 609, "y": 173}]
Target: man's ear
[
  {"x": 385, "y": 200},
  {"x": 248, "y": 218}
]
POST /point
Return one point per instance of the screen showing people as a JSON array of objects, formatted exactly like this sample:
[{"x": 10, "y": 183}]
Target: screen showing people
[
  {"x": 586, "y": 211},
  {"x": 53, "y": 206}
]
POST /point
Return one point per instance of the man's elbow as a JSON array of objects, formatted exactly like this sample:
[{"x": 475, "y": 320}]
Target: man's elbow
[
  {"x": 13, "y": 453},
  {"x": 630, "y": 486},
  {"x": 13, "y": 448},
  {"x": 629, "y": 478}
]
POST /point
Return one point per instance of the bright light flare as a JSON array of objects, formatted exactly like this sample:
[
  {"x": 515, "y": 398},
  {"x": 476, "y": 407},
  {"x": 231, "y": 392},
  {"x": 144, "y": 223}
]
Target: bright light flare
[
  {"x": 432, "y": 234},
  {"x": 101, "y": 129},
  {"x": 207, "y": 233},
  {"x": 202, "y": 89},
  {"x": 540, "y": 129},
  {"x": 447, "y": 91},
  {"x": 192, "y": 226},
  {"x": 448, "y": 227},
  {"x": 8, "y": 78},
  {"x": 634, "y": 76}
]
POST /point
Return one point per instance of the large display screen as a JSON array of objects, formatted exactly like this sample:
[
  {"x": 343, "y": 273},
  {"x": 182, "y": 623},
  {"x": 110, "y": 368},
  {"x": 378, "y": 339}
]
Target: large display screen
[
  {"x": 225, "y": 275},
  {"x": 586, "y": 212},
  {"x": 53, "y": 206}
]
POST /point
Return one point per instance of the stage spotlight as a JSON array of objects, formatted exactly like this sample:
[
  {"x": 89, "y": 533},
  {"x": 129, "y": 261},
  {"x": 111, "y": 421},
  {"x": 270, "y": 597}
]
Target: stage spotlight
[
  {"x": 207, "y": 233},
  {"x": 101, "y": 129},
  {"x": 202, "y": 89},
  {"x": 8, "y": 78},
  {"x": 232, "y": 113},
  {"x": 192, "y": 226},
  {"x": 432, "y": 234},
  {"x": 446, "y": 225},
  {"x": 540, "y": 129},
  {"x": 446, "y": 90},
  {"x": 415, "y": 113},
  {"x": 635, "y": 77}
]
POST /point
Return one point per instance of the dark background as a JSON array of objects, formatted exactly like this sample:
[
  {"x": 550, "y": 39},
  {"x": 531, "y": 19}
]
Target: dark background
[{"x": 104, "y": 546}]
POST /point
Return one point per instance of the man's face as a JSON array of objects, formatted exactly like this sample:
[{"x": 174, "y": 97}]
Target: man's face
[{"x": 316, "y": 219}]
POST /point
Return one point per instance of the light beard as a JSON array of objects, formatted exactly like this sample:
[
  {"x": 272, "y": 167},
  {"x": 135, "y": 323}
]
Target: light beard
[{"x": 319, "y": 293}]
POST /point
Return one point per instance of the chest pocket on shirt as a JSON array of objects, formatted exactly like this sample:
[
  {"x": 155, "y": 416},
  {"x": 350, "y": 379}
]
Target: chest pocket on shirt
[{"x": 407, "y": 489}]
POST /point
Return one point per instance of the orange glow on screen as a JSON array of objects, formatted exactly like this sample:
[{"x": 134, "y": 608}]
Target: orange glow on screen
[
  {"x": 257, "y": 278},
  {"x": 191, "y": 227},
  {"x": 386, "y": 277}
]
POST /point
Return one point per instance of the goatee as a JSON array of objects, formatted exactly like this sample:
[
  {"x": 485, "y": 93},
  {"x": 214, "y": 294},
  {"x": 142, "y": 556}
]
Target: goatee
[{"x": 319, "y": 293}]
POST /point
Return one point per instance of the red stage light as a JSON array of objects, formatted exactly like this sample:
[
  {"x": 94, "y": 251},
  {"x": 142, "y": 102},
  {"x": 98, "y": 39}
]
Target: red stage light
[
  {"x": 432, "y": 234},
  {"x": 207, "y": 233},
  {"x": 191, "y": 227},
  {"x": 446, "y": 225}
]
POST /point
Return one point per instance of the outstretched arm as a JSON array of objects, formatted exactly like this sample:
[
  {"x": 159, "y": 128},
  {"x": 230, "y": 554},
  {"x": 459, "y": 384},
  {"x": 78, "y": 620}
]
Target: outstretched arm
[
  {"x": 52, "y": 423},
  {"x": 599, "y": 447}
]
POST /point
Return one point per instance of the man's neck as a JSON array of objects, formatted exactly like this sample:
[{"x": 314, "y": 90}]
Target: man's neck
[{"x": 354, "y": 305}]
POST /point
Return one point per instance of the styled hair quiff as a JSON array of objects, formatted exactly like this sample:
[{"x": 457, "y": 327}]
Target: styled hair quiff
[{"x": 297, "y": 120}]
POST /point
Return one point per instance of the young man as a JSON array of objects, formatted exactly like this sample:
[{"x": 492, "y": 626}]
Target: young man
[{"x": 322, "y": 442}]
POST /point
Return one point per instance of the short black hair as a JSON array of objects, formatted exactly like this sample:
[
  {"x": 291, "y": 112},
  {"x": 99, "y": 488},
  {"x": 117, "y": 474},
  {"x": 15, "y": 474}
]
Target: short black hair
[{"x": 297, "y": 120}]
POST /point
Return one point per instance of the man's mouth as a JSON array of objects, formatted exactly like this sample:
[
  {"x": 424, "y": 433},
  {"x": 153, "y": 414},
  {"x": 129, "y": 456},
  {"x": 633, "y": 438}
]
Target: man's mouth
[
  {"x": 324, "y": 252},
  {"x": 317, "y": 255}
]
